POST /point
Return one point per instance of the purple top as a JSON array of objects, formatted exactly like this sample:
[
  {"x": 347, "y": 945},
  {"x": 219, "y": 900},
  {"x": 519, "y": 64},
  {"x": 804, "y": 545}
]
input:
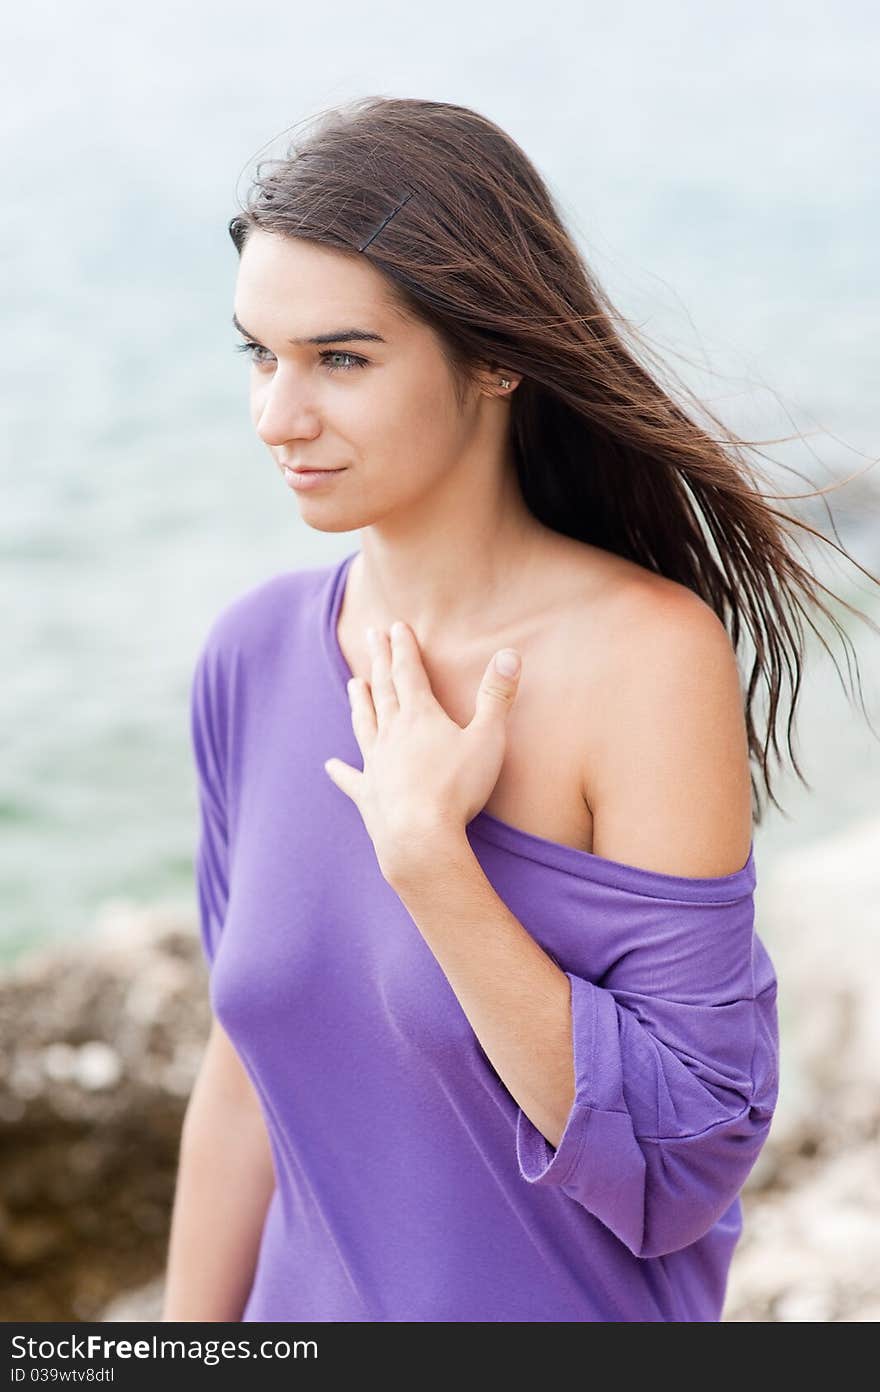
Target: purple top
[{"x": 410, "y": 1185}]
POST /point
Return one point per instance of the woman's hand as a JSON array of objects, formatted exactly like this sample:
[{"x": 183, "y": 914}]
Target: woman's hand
[{"x": 424, "y": 775}]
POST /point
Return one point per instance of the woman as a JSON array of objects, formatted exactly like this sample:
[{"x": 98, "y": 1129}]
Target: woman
[{"x": 494, "y": 1036}]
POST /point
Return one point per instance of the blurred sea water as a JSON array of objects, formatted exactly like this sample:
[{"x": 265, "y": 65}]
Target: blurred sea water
[{"x": 717, "y": 172}]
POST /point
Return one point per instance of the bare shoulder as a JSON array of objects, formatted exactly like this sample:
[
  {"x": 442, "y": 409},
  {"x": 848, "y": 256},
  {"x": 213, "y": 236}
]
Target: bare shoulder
[{"x": 668, "y": 779}]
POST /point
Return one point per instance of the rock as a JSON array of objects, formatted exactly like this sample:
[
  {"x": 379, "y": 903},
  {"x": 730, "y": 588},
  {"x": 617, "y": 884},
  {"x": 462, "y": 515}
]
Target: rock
[
  {"x": 97, "y": 1065},
  {"x": 811, "y": 1206},
  {"x": 100, "y": 1044},
  {"x": 142, "y": 1303}
]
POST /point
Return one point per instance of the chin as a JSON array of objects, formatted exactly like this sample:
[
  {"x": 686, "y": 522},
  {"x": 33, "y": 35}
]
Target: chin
[{"x": 331, "y": 524}]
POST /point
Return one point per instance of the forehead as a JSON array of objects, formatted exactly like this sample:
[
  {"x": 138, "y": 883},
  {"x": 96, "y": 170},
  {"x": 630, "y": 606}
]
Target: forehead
[{"x": 280, "y": 278}]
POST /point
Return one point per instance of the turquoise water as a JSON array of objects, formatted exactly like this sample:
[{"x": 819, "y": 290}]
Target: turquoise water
[{"x": 717, "y": 171}]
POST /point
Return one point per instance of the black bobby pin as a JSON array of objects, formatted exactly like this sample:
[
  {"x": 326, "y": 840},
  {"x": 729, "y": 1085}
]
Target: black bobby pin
[{"x": 387, "y": 219}]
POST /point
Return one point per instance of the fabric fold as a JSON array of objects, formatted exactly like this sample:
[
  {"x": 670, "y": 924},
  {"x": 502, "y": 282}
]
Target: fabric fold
[
  {"x": 667, "y": 1120},
  {"x": 212, "y": 851}
]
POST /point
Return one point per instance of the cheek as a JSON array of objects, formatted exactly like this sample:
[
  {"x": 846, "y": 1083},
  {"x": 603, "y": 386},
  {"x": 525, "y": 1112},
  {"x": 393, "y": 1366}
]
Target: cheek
[
  {"x": 410, "y": 455},
  {"x": 414, "y": 417}
]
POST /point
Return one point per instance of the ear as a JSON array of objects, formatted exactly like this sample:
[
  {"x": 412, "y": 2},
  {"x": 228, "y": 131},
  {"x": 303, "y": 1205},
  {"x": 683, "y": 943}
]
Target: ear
[{"x": 491, "y": 376}]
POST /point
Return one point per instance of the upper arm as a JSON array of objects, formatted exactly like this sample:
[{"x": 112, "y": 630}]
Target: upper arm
[
  {"x": 223, "y": 1074},
  {"x": 669, "y": 785}
]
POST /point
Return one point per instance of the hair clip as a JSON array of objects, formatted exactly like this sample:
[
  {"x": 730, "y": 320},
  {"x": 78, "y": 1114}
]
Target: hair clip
[{"x": 387, "y": 219}]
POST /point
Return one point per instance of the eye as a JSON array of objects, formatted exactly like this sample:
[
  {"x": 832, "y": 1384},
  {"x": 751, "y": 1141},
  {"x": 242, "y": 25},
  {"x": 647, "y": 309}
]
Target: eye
[
  {"x": 353, "y": 360},
  {"x": 252, "y": 349}
]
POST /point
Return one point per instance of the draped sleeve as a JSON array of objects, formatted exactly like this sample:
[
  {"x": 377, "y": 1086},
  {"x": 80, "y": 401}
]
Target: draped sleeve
[{"x": 675, "y": 1054}]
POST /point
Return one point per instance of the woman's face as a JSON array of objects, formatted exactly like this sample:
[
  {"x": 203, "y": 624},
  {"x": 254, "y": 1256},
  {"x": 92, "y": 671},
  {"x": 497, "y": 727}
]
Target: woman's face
[{"x": 383, "y": 409}]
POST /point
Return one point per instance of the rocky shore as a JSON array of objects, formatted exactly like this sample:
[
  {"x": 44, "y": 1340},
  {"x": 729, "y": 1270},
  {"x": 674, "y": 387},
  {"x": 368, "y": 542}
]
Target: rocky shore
[{"x": 100, "y": 1042}]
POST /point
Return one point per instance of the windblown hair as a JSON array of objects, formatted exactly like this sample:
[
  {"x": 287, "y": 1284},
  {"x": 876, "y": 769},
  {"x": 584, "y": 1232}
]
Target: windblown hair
[{"x": 453, "y": 213}]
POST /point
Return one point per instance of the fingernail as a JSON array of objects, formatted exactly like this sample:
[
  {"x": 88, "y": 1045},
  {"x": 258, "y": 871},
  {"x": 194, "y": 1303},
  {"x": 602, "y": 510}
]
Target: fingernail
[{"x": 507, "y": 662}]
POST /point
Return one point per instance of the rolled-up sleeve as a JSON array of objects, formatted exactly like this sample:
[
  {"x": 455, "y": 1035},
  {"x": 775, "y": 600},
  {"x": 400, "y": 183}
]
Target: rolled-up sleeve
[{"x": 675, "y": 1086}]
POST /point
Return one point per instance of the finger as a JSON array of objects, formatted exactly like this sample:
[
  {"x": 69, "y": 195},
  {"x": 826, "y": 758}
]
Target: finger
[
  {"x": 381, "y": 681},
  {"x": 363, "y": 712},
  {"x": 407, "y": 668},
  {"x": 345, "y": 777},
  {"x": 499, "y": 686}
]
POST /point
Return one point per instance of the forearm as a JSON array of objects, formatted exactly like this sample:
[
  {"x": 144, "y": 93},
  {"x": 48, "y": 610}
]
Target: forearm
[
  {"x": 515, "y": 996},
  {"x": 224, "y": 1184}
]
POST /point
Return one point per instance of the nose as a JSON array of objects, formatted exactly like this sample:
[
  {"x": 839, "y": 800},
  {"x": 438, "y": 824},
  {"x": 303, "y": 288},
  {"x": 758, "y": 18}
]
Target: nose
[{"x": 282, "y": 411}]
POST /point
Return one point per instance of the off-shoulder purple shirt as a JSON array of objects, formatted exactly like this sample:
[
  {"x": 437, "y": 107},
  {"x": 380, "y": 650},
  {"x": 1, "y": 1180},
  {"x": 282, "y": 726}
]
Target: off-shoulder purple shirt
[{"x": 410, "y": 1184}]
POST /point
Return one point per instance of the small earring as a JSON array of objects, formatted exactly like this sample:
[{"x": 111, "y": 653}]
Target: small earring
[{"x": 505, "y": 382}]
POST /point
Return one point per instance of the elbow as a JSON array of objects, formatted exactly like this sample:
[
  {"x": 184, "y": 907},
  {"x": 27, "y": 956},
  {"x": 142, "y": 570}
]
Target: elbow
[
  {"x": 657, "y": 1195},
  {"x": 690, "y": 1183}
]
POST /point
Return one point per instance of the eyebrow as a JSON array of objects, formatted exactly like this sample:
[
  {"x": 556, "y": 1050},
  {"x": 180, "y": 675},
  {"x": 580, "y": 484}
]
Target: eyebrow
[{"x": 338, "y": 336}]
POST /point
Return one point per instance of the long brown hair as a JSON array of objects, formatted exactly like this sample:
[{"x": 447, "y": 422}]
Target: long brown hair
[{"x": 453, "y": 213}]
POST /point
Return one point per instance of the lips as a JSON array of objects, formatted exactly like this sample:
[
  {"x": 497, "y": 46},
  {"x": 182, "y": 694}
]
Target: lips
[
  {"x": 303, "y": 480},
  {"x": 307, "y": 469}
]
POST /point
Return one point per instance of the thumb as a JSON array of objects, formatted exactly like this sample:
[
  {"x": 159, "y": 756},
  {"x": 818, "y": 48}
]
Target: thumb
[
  {"x": 344, "y": 776},
  {"x": 499, "y": 685}
]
